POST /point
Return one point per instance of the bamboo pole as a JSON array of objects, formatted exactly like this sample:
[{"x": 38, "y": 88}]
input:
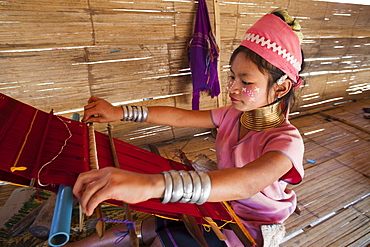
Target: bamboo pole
[{"x": 217, "y": 33}]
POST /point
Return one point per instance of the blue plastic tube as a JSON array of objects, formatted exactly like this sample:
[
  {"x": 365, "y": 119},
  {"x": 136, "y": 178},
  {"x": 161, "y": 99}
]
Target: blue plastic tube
[{"x": 61, "y": 223}]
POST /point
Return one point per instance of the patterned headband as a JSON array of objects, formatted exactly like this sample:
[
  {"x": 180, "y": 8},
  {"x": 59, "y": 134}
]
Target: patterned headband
[{"x": 274, "y": 40}]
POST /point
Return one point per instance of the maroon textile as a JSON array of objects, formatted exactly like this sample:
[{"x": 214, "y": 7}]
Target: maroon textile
[{"x": 31, "y": 138}]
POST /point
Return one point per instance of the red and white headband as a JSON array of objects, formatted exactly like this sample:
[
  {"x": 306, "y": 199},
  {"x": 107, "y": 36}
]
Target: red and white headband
[{"x": 274, "y": 40}]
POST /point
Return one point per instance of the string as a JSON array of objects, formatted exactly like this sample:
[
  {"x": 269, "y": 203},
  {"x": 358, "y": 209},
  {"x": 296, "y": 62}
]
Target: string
[
  {"x": 167, "y": 218},
  {"x": 214, "y": 223},
  {"x": 120, "y": 234},
  {"x": 56, "y": 156},
  {"x": 117, "y": 221},
  {"x": 22, "y": 168}
]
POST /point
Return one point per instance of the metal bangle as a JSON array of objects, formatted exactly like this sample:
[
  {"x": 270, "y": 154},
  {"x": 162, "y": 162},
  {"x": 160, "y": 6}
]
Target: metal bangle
[
  {"x": 139, "y": 117},
  {"x": 178, "y": 187},
  {"x": 168, "y": 187},
  {"x": 134, "y": 113},
  {"x": 188, "y": 186},
  {"x": 129, "y": 115},
  {"x": 206, "y": 187},
  {"x": 197, "y": 186},
  {"x": 124, "y": 110},
  {"x": 145, "y": 113}
]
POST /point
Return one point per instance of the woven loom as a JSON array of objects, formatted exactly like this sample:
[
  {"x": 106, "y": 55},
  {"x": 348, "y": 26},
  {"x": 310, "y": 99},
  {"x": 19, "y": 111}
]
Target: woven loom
[{"x": 54, "y": 150}]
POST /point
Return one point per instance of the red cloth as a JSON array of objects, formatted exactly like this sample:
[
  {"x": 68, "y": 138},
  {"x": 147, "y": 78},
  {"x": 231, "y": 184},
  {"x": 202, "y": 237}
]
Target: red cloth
[{"x": 31, "y": 138}]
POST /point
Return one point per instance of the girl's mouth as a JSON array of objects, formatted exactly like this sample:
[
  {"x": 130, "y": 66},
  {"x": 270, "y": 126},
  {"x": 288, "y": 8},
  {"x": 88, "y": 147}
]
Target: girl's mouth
[{"x": 233, "y": 99}]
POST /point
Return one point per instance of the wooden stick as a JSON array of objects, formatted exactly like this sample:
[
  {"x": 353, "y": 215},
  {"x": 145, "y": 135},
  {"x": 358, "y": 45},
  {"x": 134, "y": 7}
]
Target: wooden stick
[
  {"x": 345, "y": 122},
  {"x": 100, "y": 226},
  {"x": 40, "y": 228},
  {"x": 217, "y": 32},
  {"x": 92, "y": 148},
  {"x": 133, "y": 237},
  {"x": 239, "y": 223},
  {"x": 25, "y": 222},
  {"x": 81, "y": 218},
  {"x": 215, "y": 229},
  {"x": 112, "y": 146},
  {"x": 193, "y": 228}
]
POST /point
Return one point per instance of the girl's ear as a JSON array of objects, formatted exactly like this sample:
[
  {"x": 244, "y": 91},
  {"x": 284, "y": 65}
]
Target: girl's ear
[{"x": 283, "y": 88}]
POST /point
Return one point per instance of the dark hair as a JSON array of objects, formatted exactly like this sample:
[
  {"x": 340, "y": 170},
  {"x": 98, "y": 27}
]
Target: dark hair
[{"x": 273, "y": 73}]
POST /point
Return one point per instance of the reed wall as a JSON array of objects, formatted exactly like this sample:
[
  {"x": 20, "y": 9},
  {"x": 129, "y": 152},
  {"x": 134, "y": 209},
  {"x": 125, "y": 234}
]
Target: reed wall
[{"x": 56, "y": 54}]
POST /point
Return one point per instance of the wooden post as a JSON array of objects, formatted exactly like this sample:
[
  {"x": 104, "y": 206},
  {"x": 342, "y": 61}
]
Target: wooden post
[
  {"x": 217, "y": 32},
  {"x": 40, "y": 228}
]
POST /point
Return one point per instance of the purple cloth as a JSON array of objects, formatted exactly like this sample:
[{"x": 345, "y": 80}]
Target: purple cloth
[{"x": 203, "y": 56}]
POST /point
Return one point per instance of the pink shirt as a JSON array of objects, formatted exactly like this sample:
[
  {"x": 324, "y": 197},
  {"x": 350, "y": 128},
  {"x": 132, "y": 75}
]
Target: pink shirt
[{"x": 275, "y": 203}]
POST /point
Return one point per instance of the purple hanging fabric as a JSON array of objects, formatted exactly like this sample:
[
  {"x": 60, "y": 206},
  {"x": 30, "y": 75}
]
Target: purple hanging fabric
[{"x": 203, "y": 55}]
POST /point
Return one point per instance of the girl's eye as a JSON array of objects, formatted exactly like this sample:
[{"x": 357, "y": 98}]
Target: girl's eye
[
  {"x": 245, "y": 82},
  {"x": 231, "y": 77}
]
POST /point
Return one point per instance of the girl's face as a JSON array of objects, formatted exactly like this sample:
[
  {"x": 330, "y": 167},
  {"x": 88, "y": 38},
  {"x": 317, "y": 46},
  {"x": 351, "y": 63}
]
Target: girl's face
[{"x": 247, "y": 85}]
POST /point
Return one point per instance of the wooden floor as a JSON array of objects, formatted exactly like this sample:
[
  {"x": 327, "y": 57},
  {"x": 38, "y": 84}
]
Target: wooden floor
[{"x": 334, "y": 196}]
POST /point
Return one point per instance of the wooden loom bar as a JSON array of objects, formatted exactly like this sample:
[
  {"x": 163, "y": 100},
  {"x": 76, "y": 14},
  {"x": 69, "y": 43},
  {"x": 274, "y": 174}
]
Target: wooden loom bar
[
  {"x": 94, "y": 165},
  {"x": 133, "y": 237}
]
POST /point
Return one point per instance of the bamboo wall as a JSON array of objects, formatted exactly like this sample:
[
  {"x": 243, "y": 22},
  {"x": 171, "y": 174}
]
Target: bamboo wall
[{"x": 55, "y": 54}]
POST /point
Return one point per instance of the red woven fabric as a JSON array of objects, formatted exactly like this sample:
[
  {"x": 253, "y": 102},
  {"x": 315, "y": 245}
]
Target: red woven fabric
[{"x": 30, "y": 138}]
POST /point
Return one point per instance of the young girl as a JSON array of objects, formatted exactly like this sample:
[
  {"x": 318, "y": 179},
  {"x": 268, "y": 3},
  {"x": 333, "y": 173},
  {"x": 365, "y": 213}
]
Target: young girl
[{"x": 258, "y": 151}]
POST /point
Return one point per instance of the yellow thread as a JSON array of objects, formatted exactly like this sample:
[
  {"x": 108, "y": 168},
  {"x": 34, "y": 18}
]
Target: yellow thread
[
  {"x": 164, "y": 217},
  {"x": 227, "y": 222},
  {"x": 220, "y": 227},
  {"x": 9, "y": 183},
  {"x": 214, "y": 223},
  {"x": 206, "y": 228},
  {"x": 22, "y": 168},
  {"x": 18, "y": 168}
]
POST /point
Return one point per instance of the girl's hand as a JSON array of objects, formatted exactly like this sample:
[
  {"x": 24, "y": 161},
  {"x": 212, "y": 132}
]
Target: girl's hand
[
  {"x": 96, "y": 186},
  {"x": 101, "y": 111}
]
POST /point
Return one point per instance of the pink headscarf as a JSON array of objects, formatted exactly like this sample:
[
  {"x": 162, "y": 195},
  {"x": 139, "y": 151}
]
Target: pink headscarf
[{"x": 274, "y": 40}]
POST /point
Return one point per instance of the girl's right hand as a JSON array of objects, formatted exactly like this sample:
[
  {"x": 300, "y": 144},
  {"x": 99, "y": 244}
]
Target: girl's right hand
[{"x": 101, "y": 111}]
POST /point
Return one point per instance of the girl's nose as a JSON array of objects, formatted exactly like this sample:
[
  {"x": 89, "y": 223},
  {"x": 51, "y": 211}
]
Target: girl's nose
[{"x": 233, "y": 87}]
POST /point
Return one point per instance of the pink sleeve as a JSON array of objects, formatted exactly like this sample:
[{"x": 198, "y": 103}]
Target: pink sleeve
[
  {"x": 218, "y": 115},
  {"x": 289, "y": 143}
]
